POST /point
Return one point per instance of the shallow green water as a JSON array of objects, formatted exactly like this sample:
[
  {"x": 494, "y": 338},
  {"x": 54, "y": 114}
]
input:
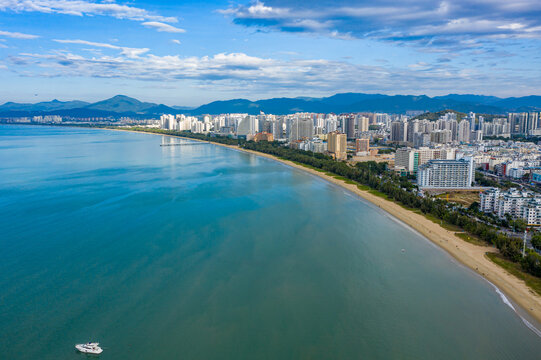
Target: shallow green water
[{"x": 201, "y": 252}]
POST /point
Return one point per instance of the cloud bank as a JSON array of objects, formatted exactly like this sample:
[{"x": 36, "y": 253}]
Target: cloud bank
[
  {"x": 242, "y": 73},
  {"x": 453, "y": 24}
]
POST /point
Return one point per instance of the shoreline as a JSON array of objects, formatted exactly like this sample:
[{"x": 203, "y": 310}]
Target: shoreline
[{"x": 470, "y": 255}]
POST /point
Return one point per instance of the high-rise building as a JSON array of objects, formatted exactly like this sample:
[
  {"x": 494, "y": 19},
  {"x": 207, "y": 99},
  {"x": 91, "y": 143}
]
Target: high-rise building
[
  {"x": 362, "y": 145},
  {"x": 421, "y": 139},
  {"x": 444, "y": 153},
  {"x": 446, "y": 174},
  {"x": 471, "y": 117},
  {"x": 518, "y": 123},
  {"x": 425, "y": 155},
  {"x": 399, "y": 131},
  {"x": 337, "y": 145},
  {"x": 277, "y": 128},
  {"x": 481, "y": 123},
  {"x": 463, "y": 132},
  {"x": 453, "y": 126},
  {"x": 498, "y": 127},
  {"x": 350, "y": 127},
  {"x": 441, "y": 136},
  {"x": 413, "y": 128},
  {"x": 167, "y": 122},
  {"x": 407, "y": 158},
  {"x": 363, "y": 124},
  {"x": 476, "y": 135},
  {"x": 533, "y": 119},
  {"x": 248, "y": 125},
  {"x": 331, "y": 125},
  {"x": 301, "y": 128},
  {"x": 198, "y": 127}
]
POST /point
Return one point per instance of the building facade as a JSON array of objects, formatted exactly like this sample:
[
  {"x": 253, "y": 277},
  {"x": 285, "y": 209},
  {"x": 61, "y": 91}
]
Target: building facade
[
  {"x": 362, "y": 145},
  {"x": 515, "y": 203},
  {"x": 446, "y": 174},
  {"x": 337, "y": 145},
  {"x": 407, "y": 158}
]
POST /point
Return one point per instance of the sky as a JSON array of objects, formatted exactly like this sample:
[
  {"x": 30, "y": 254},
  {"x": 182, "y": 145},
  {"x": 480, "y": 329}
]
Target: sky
[{"x": 188, "y": 53}]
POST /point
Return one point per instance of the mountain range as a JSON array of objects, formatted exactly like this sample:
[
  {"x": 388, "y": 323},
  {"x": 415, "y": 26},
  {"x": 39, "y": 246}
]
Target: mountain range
[{"x": 122, "y": 105}]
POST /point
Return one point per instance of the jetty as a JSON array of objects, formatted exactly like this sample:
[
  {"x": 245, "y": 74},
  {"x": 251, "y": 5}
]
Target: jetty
[{"x": 186, "y": 144}]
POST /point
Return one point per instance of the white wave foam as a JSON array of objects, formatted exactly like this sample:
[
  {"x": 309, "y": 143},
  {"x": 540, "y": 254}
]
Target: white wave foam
[
  {"x": 504, "y": 298},
  {"x": 506, "y": 301},
  {"x": 531, "y": 327}
]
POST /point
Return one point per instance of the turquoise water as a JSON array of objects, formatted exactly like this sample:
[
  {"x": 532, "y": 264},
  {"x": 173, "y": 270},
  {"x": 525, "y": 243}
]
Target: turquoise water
[{"x": 201, "y": 252}]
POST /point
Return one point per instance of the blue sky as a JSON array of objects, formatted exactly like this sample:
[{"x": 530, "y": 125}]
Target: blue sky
[{"x": 189, "y": 52}]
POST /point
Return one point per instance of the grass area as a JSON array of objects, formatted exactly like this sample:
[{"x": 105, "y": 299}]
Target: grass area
[
  {"x": 440, "y": 222},
  {"x": 338, "y": 177},
  {"x": 309, "y": 167},
  {"x": 346, "y": 180},
  {"x": 380, "y": 194},
  {"x": 471, "y": 239},
  {"x": 465, "y": 198},
  {"x": 533, "y": 282}
]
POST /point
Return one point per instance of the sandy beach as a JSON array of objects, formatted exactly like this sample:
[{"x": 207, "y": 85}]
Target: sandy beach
[{"x": 468, "y": 254}]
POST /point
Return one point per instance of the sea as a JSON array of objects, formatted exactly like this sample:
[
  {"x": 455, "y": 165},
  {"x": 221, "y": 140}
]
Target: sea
[{"x": 196, "y": 251}]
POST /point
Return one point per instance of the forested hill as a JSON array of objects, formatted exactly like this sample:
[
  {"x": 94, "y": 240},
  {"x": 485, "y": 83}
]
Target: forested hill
[{"x": 122, "y": 105}]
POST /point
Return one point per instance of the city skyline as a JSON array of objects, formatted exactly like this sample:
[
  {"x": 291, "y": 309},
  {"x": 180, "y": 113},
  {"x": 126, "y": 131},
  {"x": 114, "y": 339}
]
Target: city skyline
[{"x": 194, "y": 53}]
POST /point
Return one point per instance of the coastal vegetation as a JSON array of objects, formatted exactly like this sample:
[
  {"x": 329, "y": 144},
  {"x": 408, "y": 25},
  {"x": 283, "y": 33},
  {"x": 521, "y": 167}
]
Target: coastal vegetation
[{"x": 396, "y": 188}]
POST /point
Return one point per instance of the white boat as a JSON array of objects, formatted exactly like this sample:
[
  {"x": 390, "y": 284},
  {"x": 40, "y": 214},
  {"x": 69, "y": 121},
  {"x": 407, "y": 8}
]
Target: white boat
[{"x": 89, "y": 348}]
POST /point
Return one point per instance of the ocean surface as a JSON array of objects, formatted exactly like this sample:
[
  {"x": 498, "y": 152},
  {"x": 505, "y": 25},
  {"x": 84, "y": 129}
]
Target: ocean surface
[{"x": 202, "y": 252}]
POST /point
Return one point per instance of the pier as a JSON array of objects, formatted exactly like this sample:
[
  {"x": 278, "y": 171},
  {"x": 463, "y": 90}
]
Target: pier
[{"x": 186, "y": 144}]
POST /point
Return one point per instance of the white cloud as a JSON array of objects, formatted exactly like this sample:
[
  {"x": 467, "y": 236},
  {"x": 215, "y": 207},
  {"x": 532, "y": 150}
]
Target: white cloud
[
  {"x": 92, "y": 8},
  {"x": 239, "y": 72},
  {"x": 17, "y": 35},
  {"x": 258, "y": 9},
  {"x": 176, "y": 41},
  {"x": 82, "y": 7},
  {"x": 513, "y": 26},
  {"x": 126, "y": 51},
  {"x": 162, "y": 27}
]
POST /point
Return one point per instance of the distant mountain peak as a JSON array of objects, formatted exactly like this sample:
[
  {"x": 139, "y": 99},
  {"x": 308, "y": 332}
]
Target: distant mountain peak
[{"x": 122, "y": 97}]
